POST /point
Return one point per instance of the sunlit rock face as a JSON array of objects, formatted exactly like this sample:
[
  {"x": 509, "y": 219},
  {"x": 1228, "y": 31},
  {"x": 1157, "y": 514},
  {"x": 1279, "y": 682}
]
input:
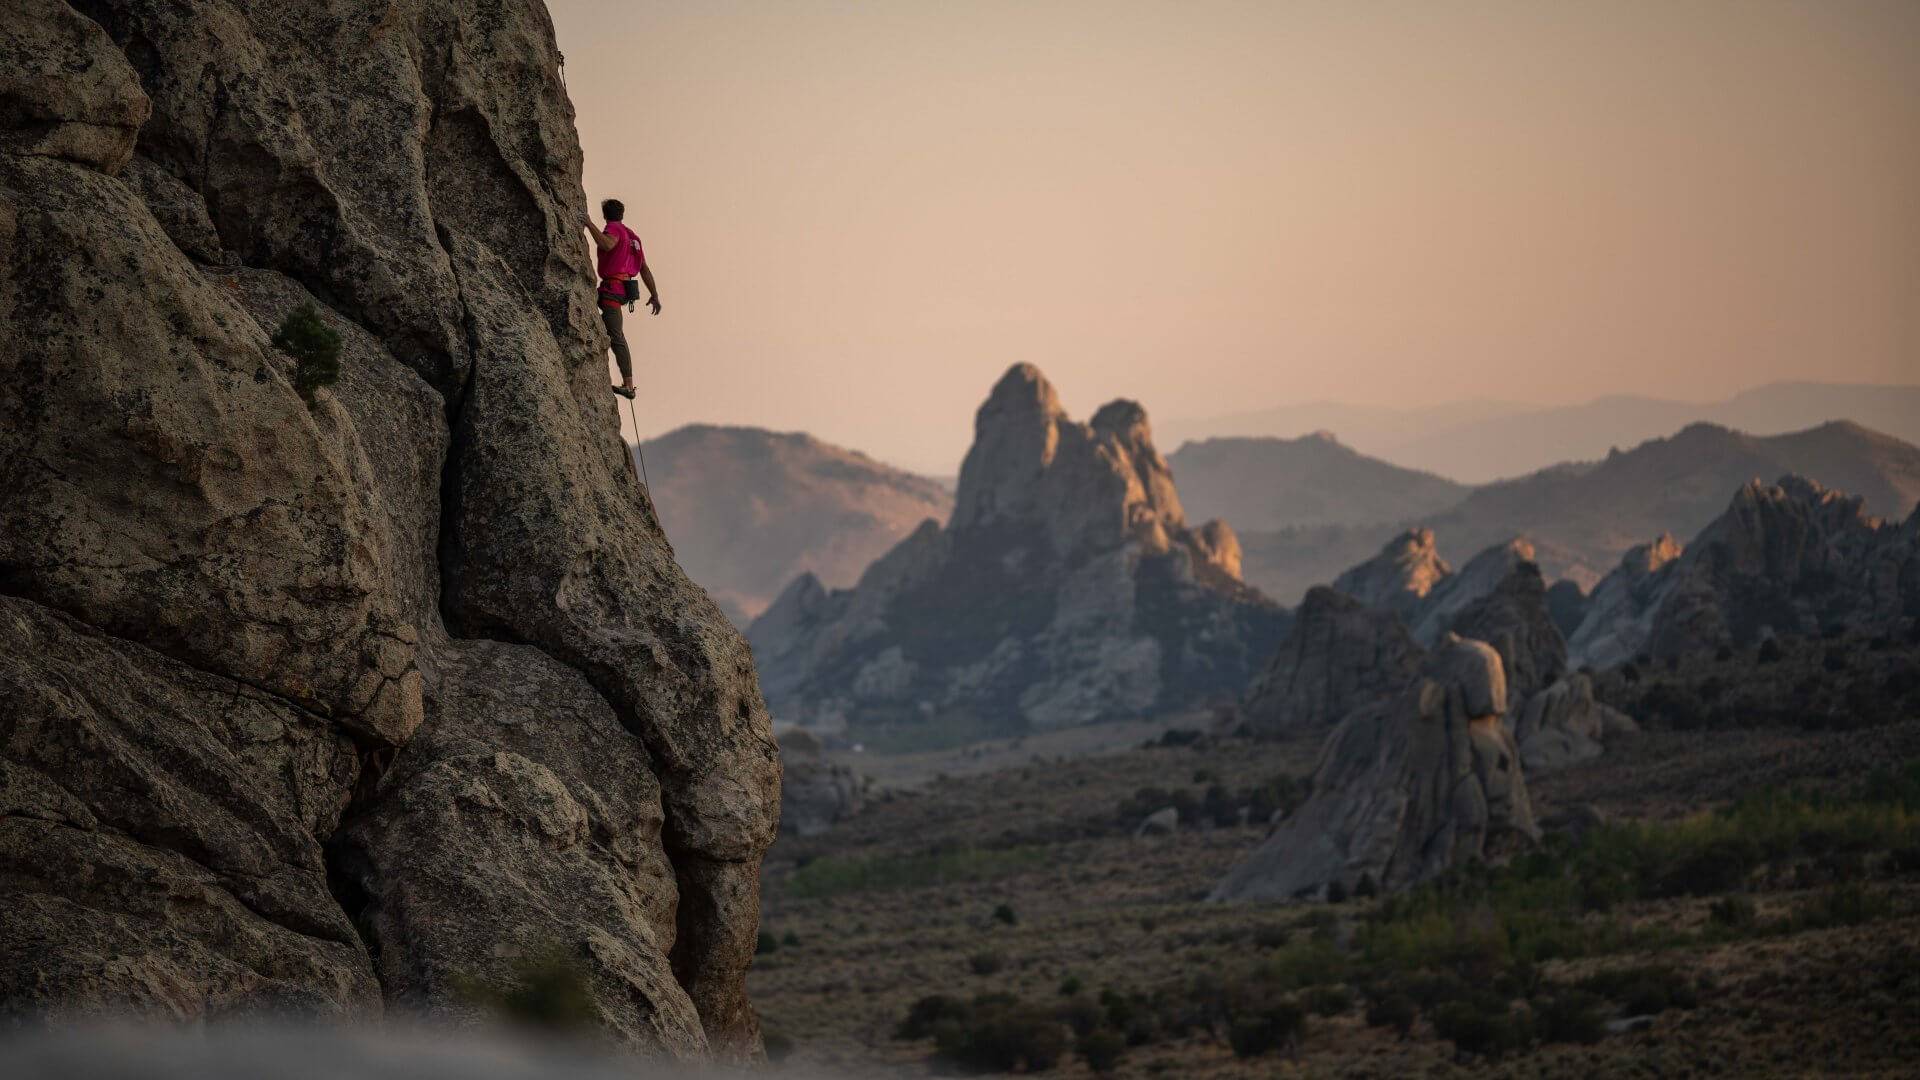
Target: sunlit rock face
[
  {"x": 1068, "y": 588},
  {"x": 1401, "y": 577},
  {"x": 271, "y": 662}
]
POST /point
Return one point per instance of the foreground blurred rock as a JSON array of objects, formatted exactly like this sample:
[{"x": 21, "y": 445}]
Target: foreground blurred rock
[
  {"x": 1404, "y": 790},
  {"x": 250, "y": 636},
  {"x": 1067, "y": 588},
  {"x": 248, "y": 1052}
]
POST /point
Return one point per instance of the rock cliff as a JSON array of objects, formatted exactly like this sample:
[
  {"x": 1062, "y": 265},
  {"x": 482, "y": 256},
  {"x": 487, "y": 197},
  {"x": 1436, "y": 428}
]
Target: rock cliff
[
  {"x": 1067, "y": 588},
  {"x": 1404, "y": 789},
  {"x": 293, "y": 683}
]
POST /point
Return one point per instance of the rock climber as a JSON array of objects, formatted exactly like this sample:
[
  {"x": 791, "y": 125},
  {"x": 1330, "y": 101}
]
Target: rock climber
[{"x": 619, "y": 260}]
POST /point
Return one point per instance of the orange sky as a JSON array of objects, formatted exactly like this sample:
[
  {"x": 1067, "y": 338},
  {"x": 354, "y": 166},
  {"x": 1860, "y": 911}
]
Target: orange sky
[{"x": 861, "y": 213}]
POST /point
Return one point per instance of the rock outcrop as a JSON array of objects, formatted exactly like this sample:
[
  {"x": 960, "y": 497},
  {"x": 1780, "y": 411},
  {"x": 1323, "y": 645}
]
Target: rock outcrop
[
  {"x": 1785, "y": 558},
  {"x": 1619, "y": 615},
  {"x": 160, "y": 837},
  {"x": 1563, "y": 725},
  {"x": 1583, "y": 518},
  {"x": 1404, "y": 789},
  {"x": 1339, "y": 655},
  {"x": 1401, "y": 577},
  {"x": 1067, "y": 588},
  {"x": 265, "y": 643},
  {"x": 815, "y": 794},
  {"x": 1452, "y": 595},
  {"x": 1410, "y": 579},
  {"x": 1514, "y": 619},
  {"x": 1342, "y": 654}
]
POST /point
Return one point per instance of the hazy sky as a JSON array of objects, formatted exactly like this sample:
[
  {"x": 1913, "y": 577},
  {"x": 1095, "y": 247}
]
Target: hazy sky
[{"x": 861, "y": 213}]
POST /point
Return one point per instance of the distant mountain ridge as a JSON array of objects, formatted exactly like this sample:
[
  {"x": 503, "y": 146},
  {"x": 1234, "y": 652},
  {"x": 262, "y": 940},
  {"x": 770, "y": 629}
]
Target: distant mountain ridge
[
  {"x": 1582, "y": 517},
  {"x": 748, "y": 509},
  {"x": 1479, "y": 441},
  {"x": 1309, "y": 481}
]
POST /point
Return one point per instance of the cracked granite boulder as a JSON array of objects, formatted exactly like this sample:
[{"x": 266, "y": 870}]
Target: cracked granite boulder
[
  {"x": 1404, "y": 789},
  {"x": 1339, "y": 655},
  {"x": 375, "y": 582}
]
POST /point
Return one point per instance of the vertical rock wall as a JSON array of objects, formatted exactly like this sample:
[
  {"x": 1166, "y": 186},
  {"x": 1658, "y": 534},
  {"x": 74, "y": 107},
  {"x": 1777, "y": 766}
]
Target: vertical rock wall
[{"x": 393, "y": 681}]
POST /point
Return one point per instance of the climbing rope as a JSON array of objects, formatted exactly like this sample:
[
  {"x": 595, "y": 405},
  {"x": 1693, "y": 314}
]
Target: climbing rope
[{"x": 637, "y": 451}]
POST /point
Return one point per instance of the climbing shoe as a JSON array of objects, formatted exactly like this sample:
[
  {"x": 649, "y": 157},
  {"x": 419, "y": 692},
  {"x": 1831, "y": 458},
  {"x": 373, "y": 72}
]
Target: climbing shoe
[{"x": 625, "y": 392}]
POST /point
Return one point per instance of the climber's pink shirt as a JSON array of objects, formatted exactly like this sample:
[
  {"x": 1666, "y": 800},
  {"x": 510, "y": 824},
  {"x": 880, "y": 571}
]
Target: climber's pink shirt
[{"x": 625, "y": 258}]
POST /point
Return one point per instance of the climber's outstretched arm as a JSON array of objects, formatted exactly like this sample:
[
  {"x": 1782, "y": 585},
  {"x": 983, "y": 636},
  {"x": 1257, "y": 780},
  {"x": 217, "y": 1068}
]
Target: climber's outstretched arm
[
  {"x": 653, "y": 291},
  {"x": 600, "y": 239}
]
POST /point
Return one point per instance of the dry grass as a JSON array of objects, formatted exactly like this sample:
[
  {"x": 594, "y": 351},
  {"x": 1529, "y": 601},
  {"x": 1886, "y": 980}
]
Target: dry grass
[{"x": 1096, "y": 904}]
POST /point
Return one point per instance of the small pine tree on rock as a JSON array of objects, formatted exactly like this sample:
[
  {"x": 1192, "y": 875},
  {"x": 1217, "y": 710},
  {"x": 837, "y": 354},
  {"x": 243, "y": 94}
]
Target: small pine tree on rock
[{"x": 315, "y": 348}]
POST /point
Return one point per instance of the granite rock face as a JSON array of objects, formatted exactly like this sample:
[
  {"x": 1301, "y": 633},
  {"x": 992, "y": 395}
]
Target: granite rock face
[
  {"x": 1339, "y": 655},
  {"x": 174, "y": 179},
  {"x": 160, "y": 837},
  {"x": 1514, "y": 619},
  {"x": 1454, "y": 594},
  {"x": 1563, "y": 725},
  {"x": 1785, "y": 558},
  {"x": 1066, "y": 589},
  {"x": 522, "y": 821},
  {"x": 1401, "y": 577},
  {"x": 1405, "y": 789},
  {"x": 1618, "y": 616}
]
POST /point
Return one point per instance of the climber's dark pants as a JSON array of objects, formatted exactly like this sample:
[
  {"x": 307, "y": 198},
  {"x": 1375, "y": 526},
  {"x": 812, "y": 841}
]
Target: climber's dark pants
[{"x": 622, "y": 355}]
